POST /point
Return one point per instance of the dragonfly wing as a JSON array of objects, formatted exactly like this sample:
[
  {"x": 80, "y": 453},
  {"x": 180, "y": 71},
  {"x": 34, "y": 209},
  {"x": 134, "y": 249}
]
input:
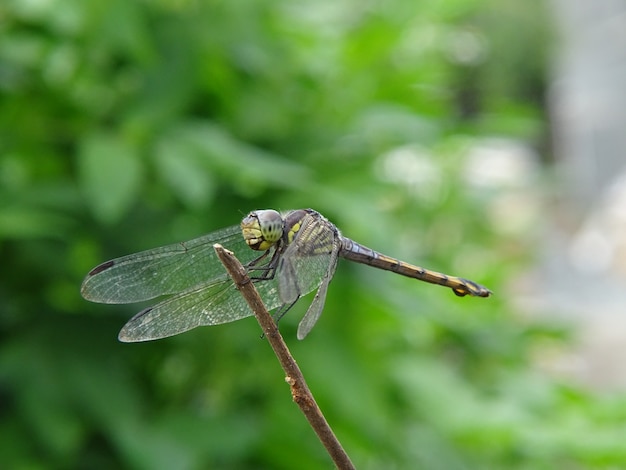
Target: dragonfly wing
[
  {"x": 308, "y": 263},
  {"x": 212, "y": 304},
  {"x": 314, "y": 311},
  {"x": 307, "y": 258},
  {"x": 166, "y": 270}
]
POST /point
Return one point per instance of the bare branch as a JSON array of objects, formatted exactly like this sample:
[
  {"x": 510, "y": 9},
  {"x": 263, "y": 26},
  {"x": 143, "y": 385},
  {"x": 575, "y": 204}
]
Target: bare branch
[{"x": 299, "y": 389}]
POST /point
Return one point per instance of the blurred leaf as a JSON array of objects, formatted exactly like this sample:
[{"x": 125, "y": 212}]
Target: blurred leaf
[
  {"x": 26, "y": 222},
  {"x": 180, "y": 165},
  {"x": 110, "y": 175},
  {"x": 249, "y": 167}
]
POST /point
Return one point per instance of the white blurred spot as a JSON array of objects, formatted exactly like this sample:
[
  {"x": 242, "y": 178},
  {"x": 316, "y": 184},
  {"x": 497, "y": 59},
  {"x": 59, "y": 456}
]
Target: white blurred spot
[
  {"x": 413, "y": 168},
  {"x": 500, "y": 163},
  {"x": 591, "y": 252},
  {"x": 600, "y": 245},
  {"x": 465, "y": 46}
]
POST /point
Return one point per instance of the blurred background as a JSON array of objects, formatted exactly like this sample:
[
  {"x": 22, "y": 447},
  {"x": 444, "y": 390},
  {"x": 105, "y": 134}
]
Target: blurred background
[{"x": 479, "y": 138}]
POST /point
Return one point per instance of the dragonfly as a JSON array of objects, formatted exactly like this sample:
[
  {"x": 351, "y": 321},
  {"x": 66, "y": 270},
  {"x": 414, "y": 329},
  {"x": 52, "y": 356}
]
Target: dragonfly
[{"x": 286, "y": 255}]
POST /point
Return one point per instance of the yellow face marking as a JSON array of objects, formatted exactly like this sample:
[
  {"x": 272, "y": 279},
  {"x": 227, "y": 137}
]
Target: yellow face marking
[{"x": 262, "y": 229}]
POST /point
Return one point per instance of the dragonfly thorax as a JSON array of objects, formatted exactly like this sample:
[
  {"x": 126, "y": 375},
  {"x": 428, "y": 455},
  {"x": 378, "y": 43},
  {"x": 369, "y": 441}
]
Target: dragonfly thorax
[{"x": 262, "y": 229}]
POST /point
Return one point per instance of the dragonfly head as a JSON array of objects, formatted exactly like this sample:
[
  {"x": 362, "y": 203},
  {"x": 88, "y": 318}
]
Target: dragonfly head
[{"x": 262, "y": 229}]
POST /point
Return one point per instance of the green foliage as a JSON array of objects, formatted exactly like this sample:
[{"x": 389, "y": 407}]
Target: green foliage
[{"x": 126, "y": 125}]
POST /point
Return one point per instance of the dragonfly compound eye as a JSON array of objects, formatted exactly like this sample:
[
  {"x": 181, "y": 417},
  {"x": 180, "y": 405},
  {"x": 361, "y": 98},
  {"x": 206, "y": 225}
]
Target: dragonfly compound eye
[{"x": 262, "y": 229}]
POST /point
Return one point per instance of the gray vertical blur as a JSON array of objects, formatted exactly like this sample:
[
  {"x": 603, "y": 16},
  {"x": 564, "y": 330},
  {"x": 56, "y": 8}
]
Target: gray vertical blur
[
  {"x": 588, "y": 96},
  {"x": 584, "y": 266}
]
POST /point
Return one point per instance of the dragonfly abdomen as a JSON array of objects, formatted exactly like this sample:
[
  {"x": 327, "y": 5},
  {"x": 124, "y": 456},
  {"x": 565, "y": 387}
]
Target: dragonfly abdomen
[{"x": 361, "y": 254}]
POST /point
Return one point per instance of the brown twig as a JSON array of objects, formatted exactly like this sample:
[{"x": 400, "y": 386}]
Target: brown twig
[{"x": 299, "y": 389}]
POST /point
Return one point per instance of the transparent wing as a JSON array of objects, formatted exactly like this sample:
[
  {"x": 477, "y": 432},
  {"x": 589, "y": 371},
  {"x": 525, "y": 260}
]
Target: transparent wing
[
  {"x": 309, "y": 262},
  {"x": 314, "y": 311},
  {"x": 307, "y": 258},
  {"x": 166, "y": 270},
  {"x": 209, "y": 304}
]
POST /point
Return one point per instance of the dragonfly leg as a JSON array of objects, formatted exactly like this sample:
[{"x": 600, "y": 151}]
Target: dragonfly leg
[
  {"x": 256, "y": 261},
  {"x": 267, "y": 271},
  {"x": 282, "y": 311}
]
